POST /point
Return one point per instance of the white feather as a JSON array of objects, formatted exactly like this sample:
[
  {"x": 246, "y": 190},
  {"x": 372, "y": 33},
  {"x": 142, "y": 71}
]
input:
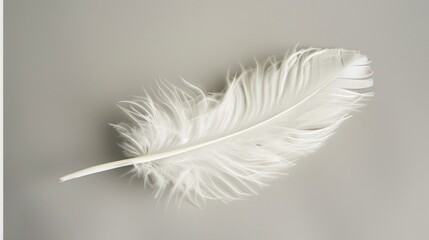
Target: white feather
[{"x": 220, "y": 146}]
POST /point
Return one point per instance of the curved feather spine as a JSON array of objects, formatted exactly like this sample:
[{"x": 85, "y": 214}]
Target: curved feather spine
[{"x": 156, "y": 156}]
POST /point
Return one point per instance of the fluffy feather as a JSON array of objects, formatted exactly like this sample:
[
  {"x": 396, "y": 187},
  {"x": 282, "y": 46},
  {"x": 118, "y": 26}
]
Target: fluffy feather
[{"x": 188, "y": 144}]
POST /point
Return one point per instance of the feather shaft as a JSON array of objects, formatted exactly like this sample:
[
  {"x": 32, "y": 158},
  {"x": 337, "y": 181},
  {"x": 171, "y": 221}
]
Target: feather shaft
[{"x": 157, "y": 156}]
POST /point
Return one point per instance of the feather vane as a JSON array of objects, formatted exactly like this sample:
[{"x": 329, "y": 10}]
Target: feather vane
[{"x": 188, "y": 144}]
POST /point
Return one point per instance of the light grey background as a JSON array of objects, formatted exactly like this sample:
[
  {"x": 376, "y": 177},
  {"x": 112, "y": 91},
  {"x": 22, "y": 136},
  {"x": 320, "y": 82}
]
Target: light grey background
[{"x": 67, "y": 63}]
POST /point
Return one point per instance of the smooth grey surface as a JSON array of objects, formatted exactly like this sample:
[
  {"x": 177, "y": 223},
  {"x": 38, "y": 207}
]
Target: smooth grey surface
[{"x": 67, "y": 63}]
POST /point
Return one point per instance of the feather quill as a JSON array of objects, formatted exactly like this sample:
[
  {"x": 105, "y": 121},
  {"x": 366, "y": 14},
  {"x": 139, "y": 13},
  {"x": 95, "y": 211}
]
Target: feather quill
[{"x": 188, "y": 144}]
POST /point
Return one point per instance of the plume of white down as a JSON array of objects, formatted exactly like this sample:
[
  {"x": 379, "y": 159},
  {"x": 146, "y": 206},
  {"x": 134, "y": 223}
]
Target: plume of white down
[{"x": 188, "y": 144}]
